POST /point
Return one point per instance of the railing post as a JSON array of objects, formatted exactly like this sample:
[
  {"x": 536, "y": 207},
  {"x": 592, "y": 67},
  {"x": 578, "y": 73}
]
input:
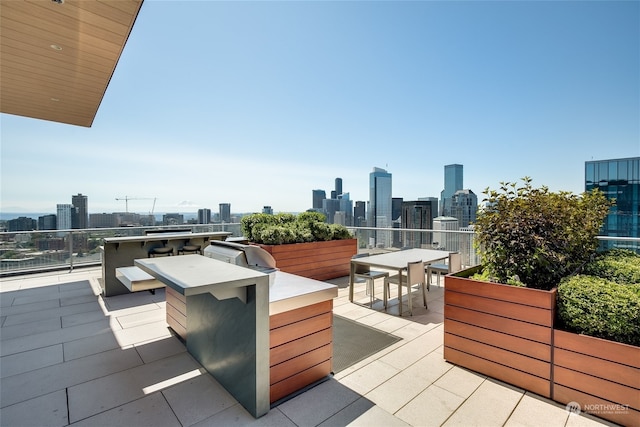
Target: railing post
[{"x": 70, "y": 251}]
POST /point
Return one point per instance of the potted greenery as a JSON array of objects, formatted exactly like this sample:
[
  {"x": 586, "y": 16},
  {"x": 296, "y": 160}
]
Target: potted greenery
[
  {"x": 302, "y": 244},
  {"x": 499, "y": 317},
  {"x": 597, "y": 337}
]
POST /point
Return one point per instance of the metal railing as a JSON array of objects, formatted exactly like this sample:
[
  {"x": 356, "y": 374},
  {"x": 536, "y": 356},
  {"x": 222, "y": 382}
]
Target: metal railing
[{"x": 37, "y": 251}]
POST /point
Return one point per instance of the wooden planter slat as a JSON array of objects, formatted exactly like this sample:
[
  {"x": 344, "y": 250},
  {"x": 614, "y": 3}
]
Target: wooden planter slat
[
  {"x": 507, "y": 309},
  {"x": 598, "y": 347},
  {"x": 537, "y": 333},
  {"x": 507, "y": 358},
  {"x": 501, "y": 372},
  {"x": 527, "y": 296},
  {"x": 315, "y": 260},
  {"x": 596, "y": 387},
  {"x": 625, "y": 416},
  {"x": 596, "y": 367},
  {"x": 513, "y": 344}
]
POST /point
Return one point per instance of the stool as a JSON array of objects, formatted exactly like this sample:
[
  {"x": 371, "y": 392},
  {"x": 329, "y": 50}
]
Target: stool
[
  {"x": 163, "y": 250},
  {"x": 190, "y": 249}
]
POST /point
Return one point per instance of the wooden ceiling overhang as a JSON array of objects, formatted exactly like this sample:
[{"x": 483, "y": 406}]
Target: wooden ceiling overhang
[{"x": 57, "y": 56}]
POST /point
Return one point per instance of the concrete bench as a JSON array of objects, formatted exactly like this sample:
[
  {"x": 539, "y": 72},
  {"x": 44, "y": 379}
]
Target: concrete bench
[{"x": 136, "y": 279}]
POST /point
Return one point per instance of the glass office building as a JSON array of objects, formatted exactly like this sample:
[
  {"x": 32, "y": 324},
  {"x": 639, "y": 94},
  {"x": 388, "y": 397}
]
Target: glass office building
[
  {"x": 380, "y": 214},
  {"x": 618, "y": 179}
]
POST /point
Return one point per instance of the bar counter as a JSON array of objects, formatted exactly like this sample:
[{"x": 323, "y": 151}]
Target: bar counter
[{"x": 262, "y": 341}]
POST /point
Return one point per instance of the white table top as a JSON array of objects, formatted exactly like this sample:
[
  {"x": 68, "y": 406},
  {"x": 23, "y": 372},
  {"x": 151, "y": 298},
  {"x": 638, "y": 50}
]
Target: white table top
[{"x": 399, "y": 259}]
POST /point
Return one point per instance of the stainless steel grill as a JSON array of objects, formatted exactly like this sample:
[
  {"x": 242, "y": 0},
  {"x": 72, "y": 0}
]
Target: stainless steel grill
[{"x": 249, "y": 256}]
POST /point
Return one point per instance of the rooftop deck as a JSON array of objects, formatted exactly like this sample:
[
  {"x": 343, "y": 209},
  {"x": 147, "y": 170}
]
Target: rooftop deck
[{"x": 70, "y": 356}]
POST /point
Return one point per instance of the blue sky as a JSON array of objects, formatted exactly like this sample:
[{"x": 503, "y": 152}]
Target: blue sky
[{"x": 259, "y": 103}]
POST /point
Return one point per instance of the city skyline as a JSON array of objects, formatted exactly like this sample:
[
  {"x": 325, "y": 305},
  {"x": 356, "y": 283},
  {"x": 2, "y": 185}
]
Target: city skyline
[{"x": 256, "y": 104}]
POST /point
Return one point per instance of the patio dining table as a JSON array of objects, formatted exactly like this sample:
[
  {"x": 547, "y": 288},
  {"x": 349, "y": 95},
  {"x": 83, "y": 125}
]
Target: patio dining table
[{"x": 396, "y": 260}]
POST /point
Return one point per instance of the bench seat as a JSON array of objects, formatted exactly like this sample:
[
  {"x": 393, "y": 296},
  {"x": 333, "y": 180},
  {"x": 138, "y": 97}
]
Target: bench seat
[{"x": 136, "y": 279}]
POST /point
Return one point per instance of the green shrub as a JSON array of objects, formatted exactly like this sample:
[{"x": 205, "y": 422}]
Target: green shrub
[
  {"x": 253, "y": 223},
  {"x": 535, "y": 236},
  {"x": 601, "y": 308},
  {"x": 618, "y": 265},
  {"x": 276, "y": 235},
  {"x": 288, "y": 228},
  {"x": 339, "y": 232}
]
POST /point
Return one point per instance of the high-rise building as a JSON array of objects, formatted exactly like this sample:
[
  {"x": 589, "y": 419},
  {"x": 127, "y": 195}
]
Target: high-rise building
[
  {"x": 64, "y": 216},
  {"x": 417, "y": 215},
  {"x": 80, "y": 211},
  {"x": 329, "y": 208},
  {"x": 346, "y": 207},
  {"x": 318, "y": 197},
  {"x": 464, "y": 206},
  {"x": 452, "y": 182},
  {"x": 442, "y": 226},
  {"x": 47, "y": 222},
  {"x": 359, "y": 212},
  {"x": 338, "y": 187},
  {"x": 22, "y": 224},
  {"x": 380, "y": 213},
  {"x": 225, "y": 212},
  {"x": 618, "y": 179},
  {"x": 204, "y": 215},
  {"x": 434, "y": 204},
  {"x": 267, "y": 210}
]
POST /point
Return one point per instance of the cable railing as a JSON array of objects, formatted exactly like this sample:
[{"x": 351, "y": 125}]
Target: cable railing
[{"x": 25, "y": 252}]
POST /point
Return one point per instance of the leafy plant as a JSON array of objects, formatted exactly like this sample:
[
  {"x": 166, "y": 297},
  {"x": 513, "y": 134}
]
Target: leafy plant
[
  {"x": 536, "y": 237},
  {"x": 601, "y": 308},
  {"x": 288, "y": 228},
  {"x": 618, "y": 265}
]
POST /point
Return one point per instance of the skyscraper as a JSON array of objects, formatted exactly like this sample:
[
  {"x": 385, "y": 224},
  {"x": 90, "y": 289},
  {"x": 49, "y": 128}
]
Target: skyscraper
[
  {"x": 338, "y": 188},
  {"x": 63, "y": 212},
  {"x": 359, "y": 211},
  {"x": 464, "y": 206},
  {"x": 80, "y": 211},
  {"x": 225, "y": 212},
  {"x": 417, "y": 215},
  {"x": 204, "y": 215},
  {"x": 318, "y": 197},
  {"x": 452, "y": 183},
  {"x": 380, "y": 215},
  {"x": 618, "y": 179}
]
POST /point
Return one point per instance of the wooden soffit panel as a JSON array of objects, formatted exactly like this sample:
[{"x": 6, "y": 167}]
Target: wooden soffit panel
[{"x": 57, "y": 56}]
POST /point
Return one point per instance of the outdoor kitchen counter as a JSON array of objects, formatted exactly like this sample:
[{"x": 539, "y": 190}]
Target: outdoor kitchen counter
[
  {"x": 121, "y": 251},
  {"x": 261, "y": 341}
]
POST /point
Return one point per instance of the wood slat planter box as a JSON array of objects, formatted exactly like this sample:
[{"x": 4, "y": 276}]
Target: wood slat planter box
[
  {"x": 602, "y": 376},
  {"x": 315, "y": 260},
  {"x": 501, "y": 331}
]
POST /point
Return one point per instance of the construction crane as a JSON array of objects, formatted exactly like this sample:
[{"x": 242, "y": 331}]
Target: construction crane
[{"x": 127, "y": 198}]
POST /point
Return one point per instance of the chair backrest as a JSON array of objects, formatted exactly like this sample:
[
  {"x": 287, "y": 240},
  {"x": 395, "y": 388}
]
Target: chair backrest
[
  {"x": 455, "y": 262},
  {"x": 361, "y": 269},
  {"x": 415, "y": 273}
]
